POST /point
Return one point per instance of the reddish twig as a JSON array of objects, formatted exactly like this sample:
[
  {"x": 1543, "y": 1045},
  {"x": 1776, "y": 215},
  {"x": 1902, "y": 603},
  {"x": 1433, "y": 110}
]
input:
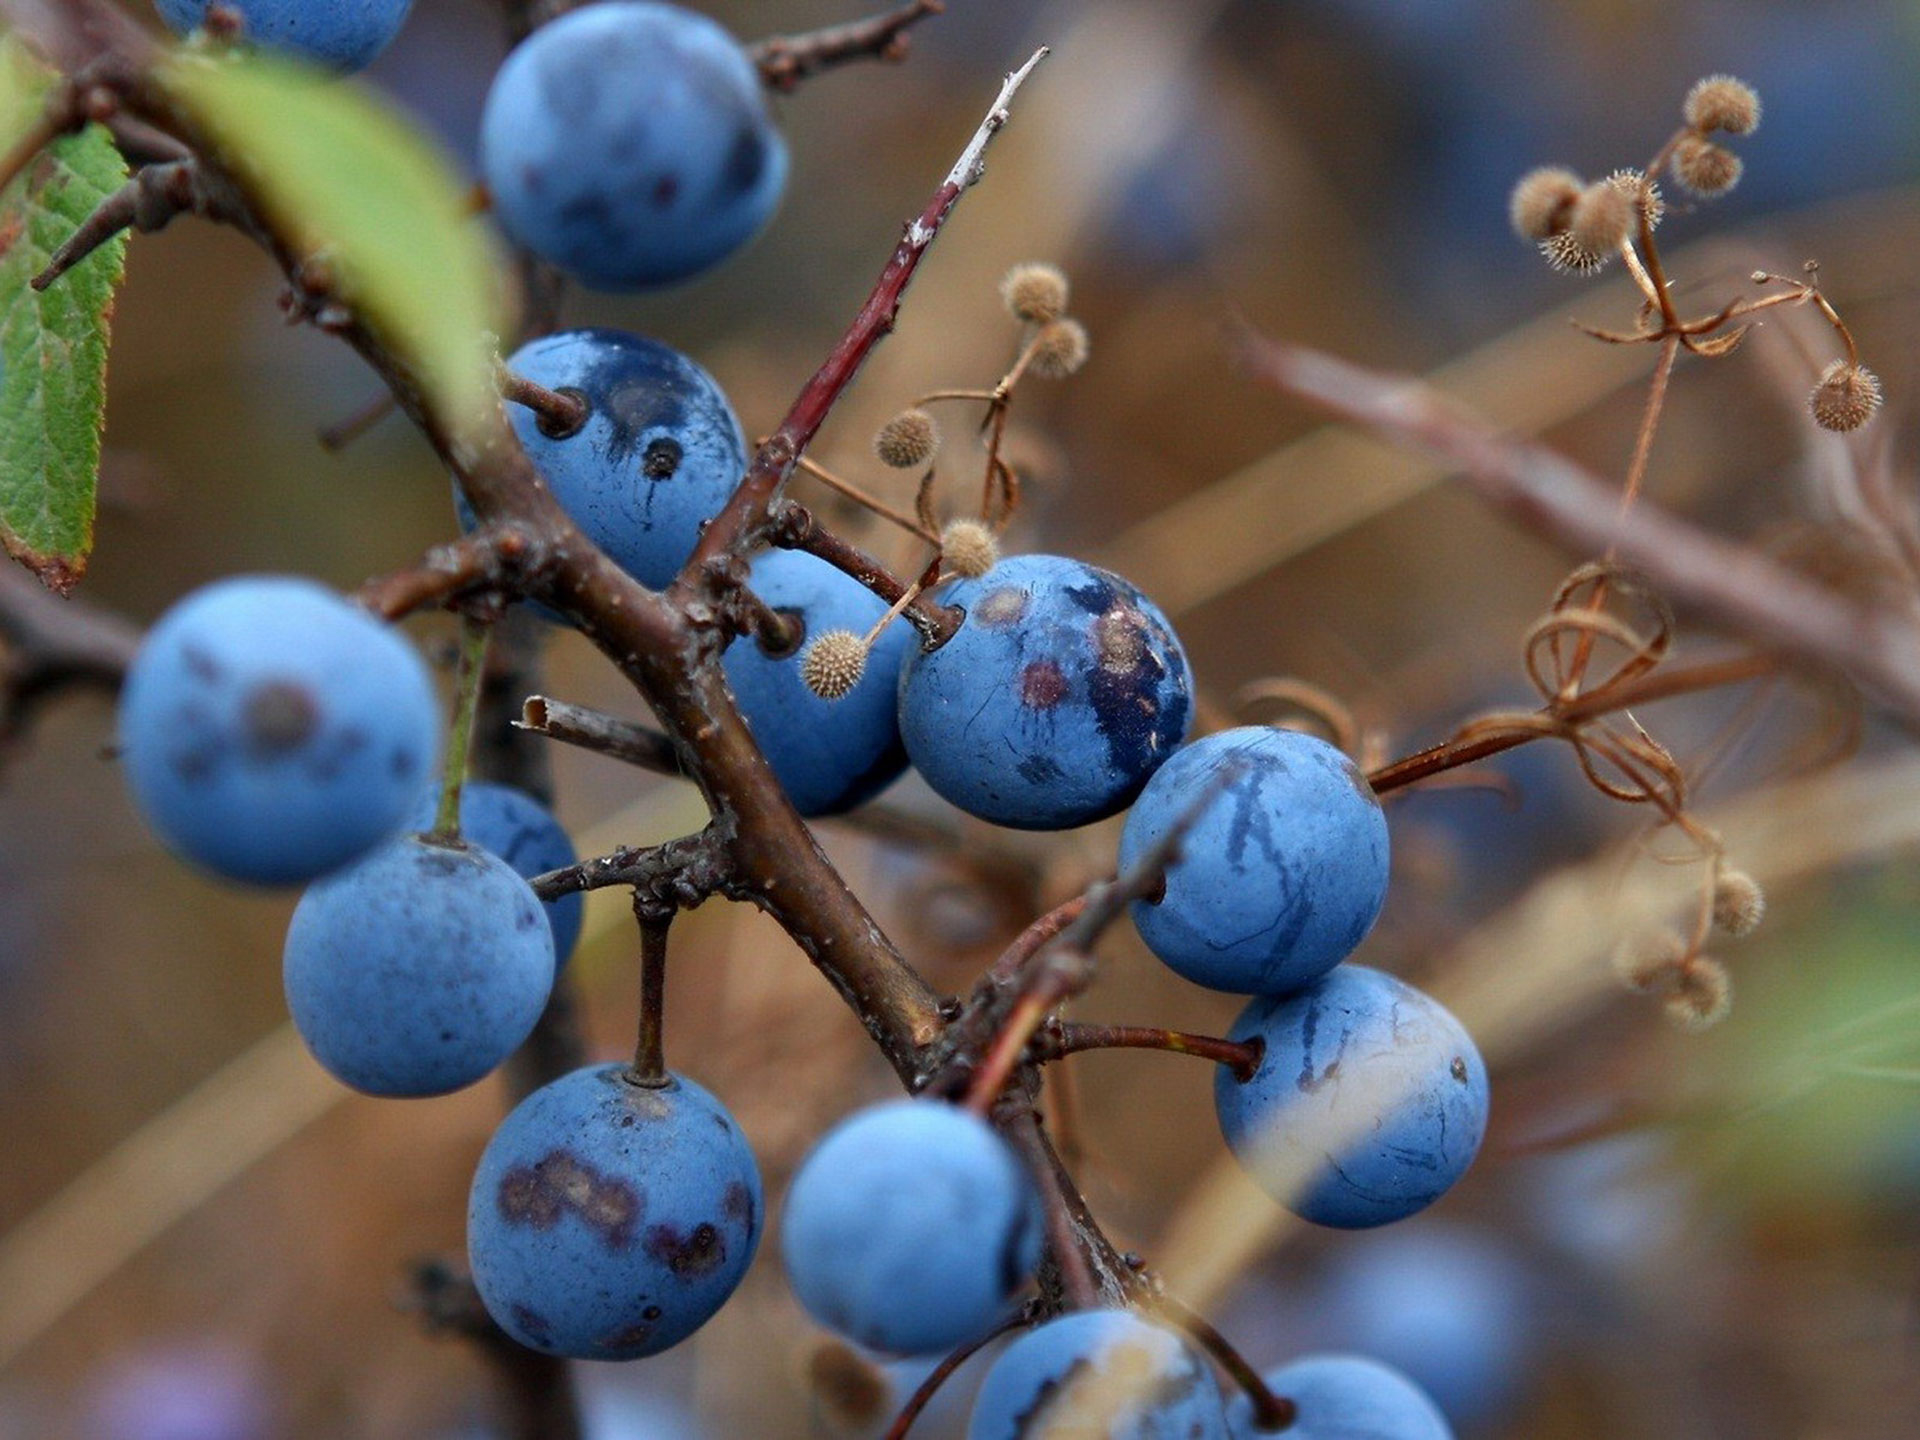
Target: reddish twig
[{"x": 746, "y": 516}]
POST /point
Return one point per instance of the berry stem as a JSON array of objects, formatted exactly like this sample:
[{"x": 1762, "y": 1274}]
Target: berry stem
[
  {"x": 797, "y": 529},
  {"x": 1064, "y": 1038},
  {"x": 475, "y": 633},
  {"x": 350, "y": 427},
  {"x": 649, "y": 1061},
  {"x": 1271, "y": 1412},
  {"x": 941, "y": 1373},
  {"x": 558, "y": 413}
]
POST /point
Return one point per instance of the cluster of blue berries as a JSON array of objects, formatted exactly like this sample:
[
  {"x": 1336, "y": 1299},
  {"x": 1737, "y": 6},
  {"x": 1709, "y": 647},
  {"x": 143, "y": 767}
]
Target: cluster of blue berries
[{"x": 275, "y": 734}]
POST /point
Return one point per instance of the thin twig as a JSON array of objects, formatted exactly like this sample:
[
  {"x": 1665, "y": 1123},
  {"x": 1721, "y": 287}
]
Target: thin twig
[
  {"x": 1734, "y": 584},
  {"x": 605, "y": 734},
  {"x": 785, "y": 60}
]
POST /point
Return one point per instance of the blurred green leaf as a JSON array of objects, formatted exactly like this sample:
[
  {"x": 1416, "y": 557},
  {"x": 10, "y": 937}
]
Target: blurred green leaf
[
  {"x": 356, "y": 187},
  {"x": 53, "y": 346}
]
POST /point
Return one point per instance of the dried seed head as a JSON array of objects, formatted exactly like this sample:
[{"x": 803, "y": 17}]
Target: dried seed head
[
  {"x": 1704, "y": 995},
  {"x": 1601, "y": 217},
  {"x": 968, "y": 549},
  {"x": 1564, "y": 252},
  {"x": 1650, "y": 964},
  {"x": 1721, "y": 102},
  {"x": 907, "y": 441},
  {"x": 1704, "y": 168},
  {"x": 833, "y": 663},
  {"x": 1739, "y": 904},
  {"x": 1653, "y": 205},
  {"x": 1542, "y": 201},
  {"x": 1845, "y": 398},
  {"x": 1059, "y": 349},
  {"x": 1035, "y": 293}
]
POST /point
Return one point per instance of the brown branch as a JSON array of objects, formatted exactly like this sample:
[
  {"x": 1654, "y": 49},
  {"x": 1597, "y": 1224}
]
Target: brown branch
[
  {"x": 747, "y": 515},
  {"x": 1737, "y": 586},
  {"x": 600, "y": 732},
  {"x": 497, "y": 557},
  {"x": 674, "y": 875},
  {"x": 1478, "y": 742},
  {"x": 785, "y": 60},
  {"x": 796, "y": 528},
  {"x": 151, "y": 200}
]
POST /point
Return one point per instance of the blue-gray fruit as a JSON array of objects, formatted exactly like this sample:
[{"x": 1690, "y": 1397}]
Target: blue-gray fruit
[
  {"x": 272, "y": 732},
  {"x": 830, "y": 755},
  {"x": 418, "y": 970},
  {"x": 1279, "y": 877},
  {"x": 510, "y": 823},
  {"x": 1344, "y": 1397},
  {"x": 630, "y": 144},
  {"x": 910, "y": 1227},
  {"x": 608, "y": 1219},
  {"x": 1369, "y": 1103},
  {"x": 1062, "y": 691},
  {"x": 658, "y": 456},
  {"x": 1099, "y": 1372},
  {"x": 339, "y": 34}
]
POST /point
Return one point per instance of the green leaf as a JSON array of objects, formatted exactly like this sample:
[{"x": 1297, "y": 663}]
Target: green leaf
[
  {"x": 351, "y": 184},
  {"x": 53, "y": 346}
]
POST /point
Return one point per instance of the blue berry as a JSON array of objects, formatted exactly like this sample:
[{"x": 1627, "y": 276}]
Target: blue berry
[
  {"x": 609, "y": 1220},
  {"x": 1099, "y": 1372},
  {"x": 272, "y": 732},
  {"x": 511, "y": 824},
  {"x": 910, "y": 1227},
  {"x": 340, "y": 34},
  {"x": 1455, "y": 1308},
  {"x": 659, "y": 454},
  {"x": 1280, "y": 876},
  {"x": 630, "y": 145},
  {"x": 418, "y": 970},
  {"x": 1344, "y": 1397},
  {"x": 1062, "y": 691},
  {"x": 830, "y": 755},
  {"x": 1369, "y": 1103}
]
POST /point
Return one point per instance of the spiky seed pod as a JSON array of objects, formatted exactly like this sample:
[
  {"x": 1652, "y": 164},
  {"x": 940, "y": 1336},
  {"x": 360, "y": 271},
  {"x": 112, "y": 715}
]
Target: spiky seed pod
[
  {"x": 968, "y": 549},
  {"x": 1542, "y": 200},
  {"x": 1704, "y": 168},
  {"x": 1739, "y": 904},
  {"x": 1704, "y": 995},
  {"x": 833, "y": 663},
  {"x": 1653, "y": 205},
  {"x": 1601, "y": 218},
  {"x": 1564, "y": 252},
  {"x": 1650, "y": 964},
  {"x": 1035, "y": 293},
  {"x": 1721, "y": 102},
  {"x": 1059, "y": 349},
  {"x": 907, "y": 441},
  {"x": 1845, "y": 398}
]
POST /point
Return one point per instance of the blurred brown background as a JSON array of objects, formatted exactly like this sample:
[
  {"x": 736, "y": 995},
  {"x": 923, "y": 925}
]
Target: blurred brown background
[{"x": 202, "y": 1237}]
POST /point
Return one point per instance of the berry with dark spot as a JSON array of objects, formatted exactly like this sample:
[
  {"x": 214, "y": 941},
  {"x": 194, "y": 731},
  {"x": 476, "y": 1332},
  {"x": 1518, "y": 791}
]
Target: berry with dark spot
[
  {"x": 1062, "y": 691},
  {"x": 619, "y": 1216},
  {"x": 1344, "y": 1397},
  {"x": 1099, "y": 1372},
  {"x": 418, "y": 970},
  {"x": 630, "y": 144},
  {"x": 910, "y": 1227},
  {"x": 339, "y": 34},
  {"x": 510, "y": 823},
  {"x": 658, "y": 456},
  {"x": 272, "y": 732},
  {"x": 1369, "y": 1103},
  {"x": 1279, "y": 877},
  {"x": 830, "y": 755}
]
